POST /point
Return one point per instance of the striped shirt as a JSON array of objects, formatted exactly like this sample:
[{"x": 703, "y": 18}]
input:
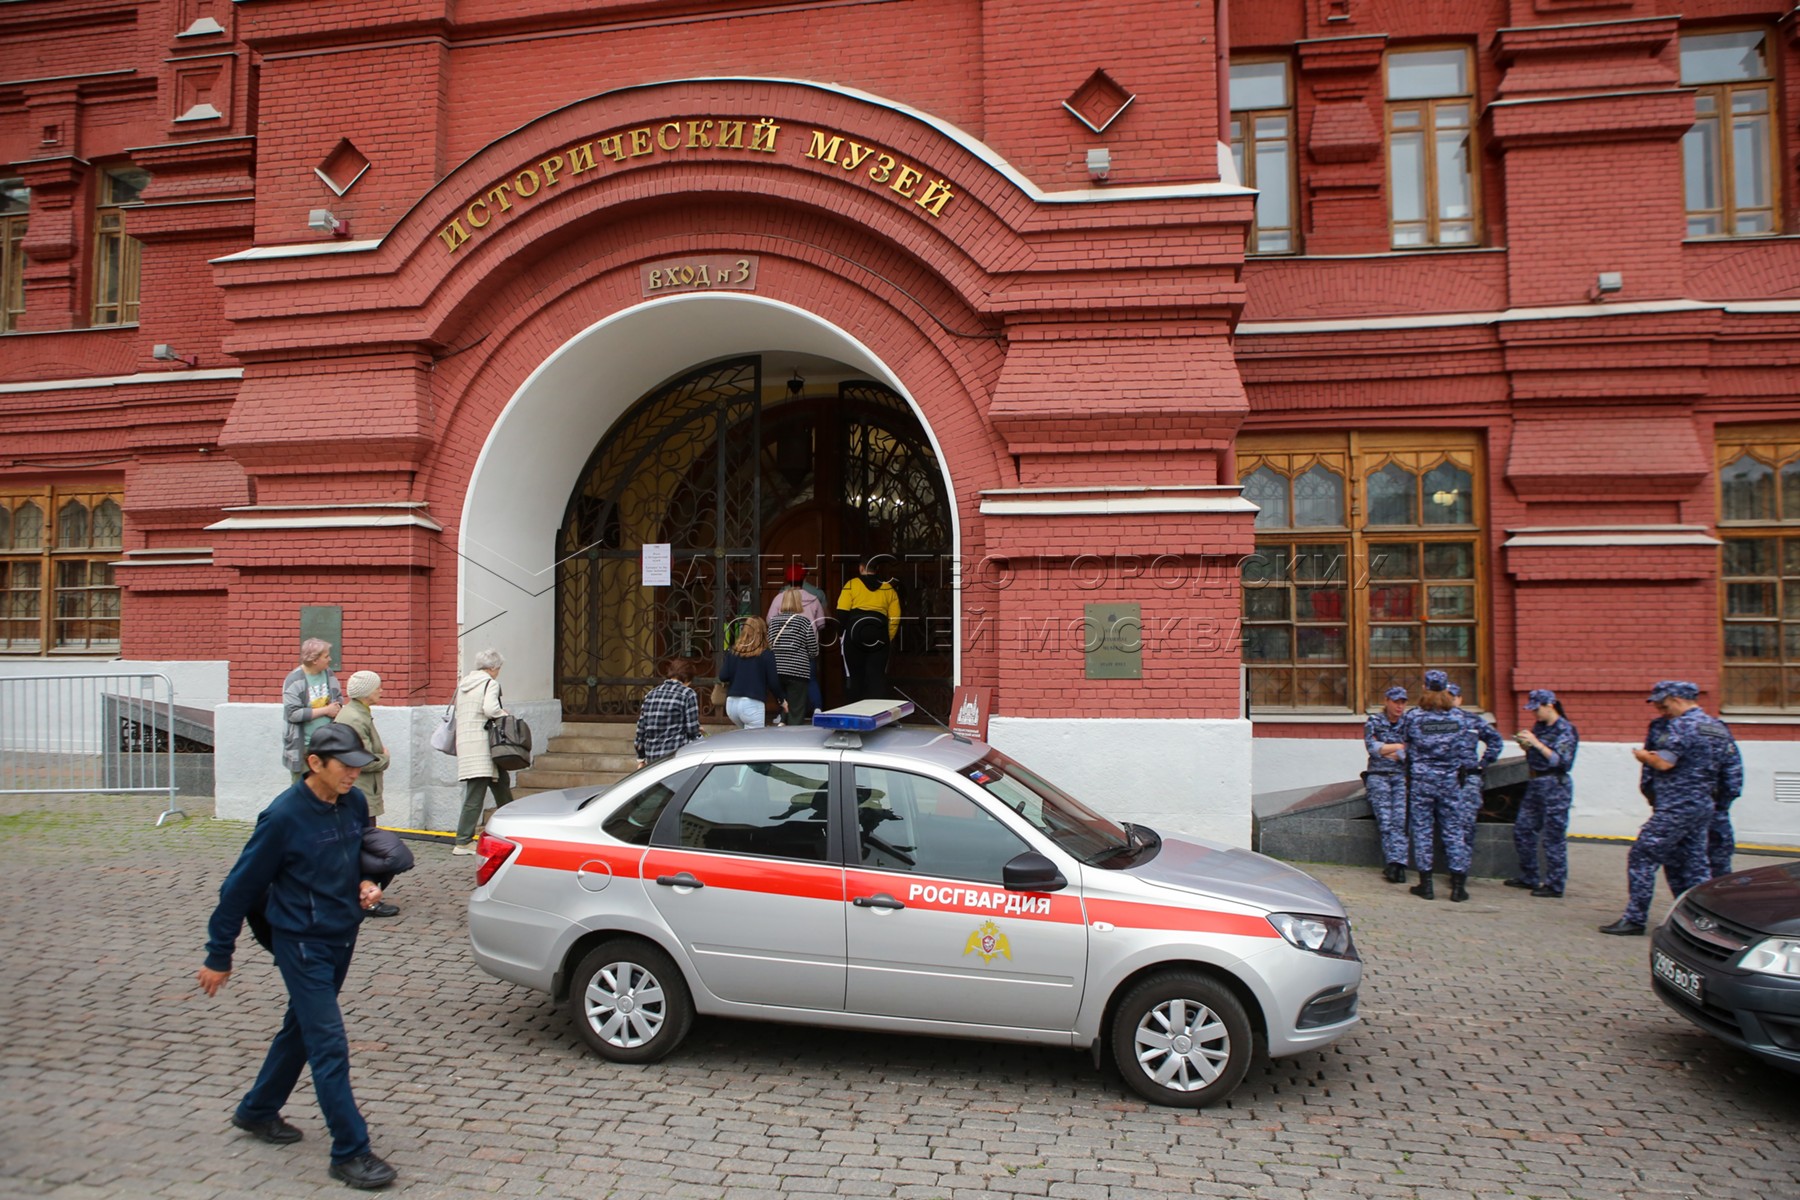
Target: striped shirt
[{"x": 796, "y": 644}]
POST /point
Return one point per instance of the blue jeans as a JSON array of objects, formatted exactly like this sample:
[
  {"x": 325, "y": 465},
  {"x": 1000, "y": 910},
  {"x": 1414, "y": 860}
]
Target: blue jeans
[
  {"x": 744, "y": 712},
  {"x": 313, "y": 1032}
]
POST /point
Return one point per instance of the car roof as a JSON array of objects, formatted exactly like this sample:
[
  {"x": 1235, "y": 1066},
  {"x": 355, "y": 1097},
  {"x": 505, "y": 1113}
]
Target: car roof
[{"x": 925, "y": 744}]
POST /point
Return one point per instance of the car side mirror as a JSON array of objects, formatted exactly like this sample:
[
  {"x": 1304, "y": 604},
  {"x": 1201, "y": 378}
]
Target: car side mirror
[{"x": 1032, "y": 872}]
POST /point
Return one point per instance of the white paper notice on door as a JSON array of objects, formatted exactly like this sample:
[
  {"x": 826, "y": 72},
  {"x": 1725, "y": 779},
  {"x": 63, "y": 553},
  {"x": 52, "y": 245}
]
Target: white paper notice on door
[{"x": 656, "y": 564}]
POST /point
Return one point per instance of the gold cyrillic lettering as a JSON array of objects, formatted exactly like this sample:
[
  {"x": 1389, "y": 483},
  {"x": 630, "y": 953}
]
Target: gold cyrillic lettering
[
  {"x": 675, "y": 143},
  {"x": 697, "y": 139},
  {"x": 823, "y": 150},
  {"x": 743, "y": 270},
  {"x": 470, "y": 213},
  {"x": 731, "y": 135},
  {"x": 701, "y": 277},
  {"x": 883, "y": 168},
  {"x": 454, "y": 235},
  {"x": 854, "y": 159},
  {"x": 655, "y": 278},
  {"x": 550, "y": 166},
  {"x": 904, "y": 181},
  {"x": 762, "y": 137},
  {"x": 520, "y": 179},
  {"x": 640, "y": 143},
  {"x": 937, "y": 194},
  {"x": 581, "y": 158},
  {"x": 613, "y": 146},
  {"x": 498, "y": 196}
]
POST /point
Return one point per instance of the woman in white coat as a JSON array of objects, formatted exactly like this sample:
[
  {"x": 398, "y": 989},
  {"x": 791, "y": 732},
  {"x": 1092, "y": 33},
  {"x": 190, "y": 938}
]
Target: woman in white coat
[{"x": 477, "y": 702}]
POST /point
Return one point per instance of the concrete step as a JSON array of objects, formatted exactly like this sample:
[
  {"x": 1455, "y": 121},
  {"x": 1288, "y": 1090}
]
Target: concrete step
[
  {"x": 535, "y": 780},
  {"x": 560, "y": 760}
]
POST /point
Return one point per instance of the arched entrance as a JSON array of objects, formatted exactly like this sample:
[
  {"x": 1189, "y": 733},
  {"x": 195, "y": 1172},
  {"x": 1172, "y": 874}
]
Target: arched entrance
[{"x": 742, "y": 472}]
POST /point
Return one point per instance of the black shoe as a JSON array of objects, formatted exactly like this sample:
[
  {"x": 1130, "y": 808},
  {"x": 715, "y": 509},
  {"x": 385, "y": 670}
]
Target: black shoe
[
  {"x": 1547, "y": 890},
  {"x": 1394, "y": 872},
  {"x": 274, "y": 1131},
  {"x": 384, "y": 909},
  {"x": 1520, "y": 883},
  {"x": 1623, "y": 928},
  {"x": 1458, "y": 891},
  {"x": 364, "y": 1172},
  {"x": 1423, "y": 889}
]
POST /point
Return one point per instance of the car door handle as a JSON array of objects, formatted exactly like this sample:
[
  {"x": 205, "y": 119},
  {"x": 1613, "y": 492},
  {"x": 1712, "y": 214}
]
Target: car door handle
[
  {"x": 880, "y": 900},
  {"x": 681, "y": 880}
]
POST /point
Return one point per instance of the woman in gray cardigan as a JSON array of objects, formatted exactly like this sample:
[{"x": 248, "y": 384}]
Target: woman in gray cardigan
[{"x": 310, "y": 698}]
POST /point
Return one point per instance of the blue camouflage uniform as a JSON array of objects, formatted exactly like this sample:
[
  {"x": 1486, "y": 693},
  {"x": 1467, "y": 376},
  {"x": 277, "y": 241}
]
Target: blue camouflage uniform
[
  {"x": 1440, "y": 755},
  {"x": 1543, "y": 818},
  {"x": 1674, "y": 837},
  {"x": 1385, "y": 781},
  {"x": 1728, "y": 784}
]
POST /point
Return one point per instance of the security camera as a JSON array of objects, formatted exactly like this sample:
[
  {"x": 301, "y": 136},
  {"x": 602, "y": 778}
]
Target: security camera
[
  {"x": 324, "y": 221},
  {"x": 1099, "y": 164}
]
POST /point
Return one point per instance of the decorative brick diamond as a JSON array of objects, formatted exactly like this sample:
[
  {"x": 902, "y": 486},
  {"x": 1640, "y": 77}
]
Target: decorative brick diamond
[
  {"x": 1098, "y": 102},
  {"x": 342, "y": 167}
]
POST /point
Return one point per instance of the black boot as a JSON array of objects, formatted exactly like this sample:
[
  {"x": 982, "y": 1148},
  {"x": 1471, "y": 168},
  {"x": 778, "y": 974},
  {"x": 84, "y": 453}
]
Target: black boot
[
  {"x": 1423, "y": 889},
  {"x": 1458, "y": 893},
  {"x": 1394, "y": 872}
]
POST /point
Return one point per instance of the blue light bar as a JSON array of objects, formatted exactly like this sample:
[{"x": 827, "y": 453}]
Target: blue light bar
[{"x": 864, "y": 715}]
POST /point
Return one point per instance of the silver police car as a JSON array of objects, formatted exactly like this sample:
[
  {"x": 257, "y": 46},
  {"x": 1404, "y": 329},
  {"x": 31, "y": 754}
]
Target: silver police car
[{"x": 910, "y": 881}]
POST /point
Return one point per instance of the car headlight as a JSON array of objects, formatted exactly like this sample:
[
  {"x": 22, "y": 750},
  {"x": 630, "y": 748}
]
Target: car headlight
[
  {"x": 1329, "y": 936},
  {"x": 1773, "y": 956}
]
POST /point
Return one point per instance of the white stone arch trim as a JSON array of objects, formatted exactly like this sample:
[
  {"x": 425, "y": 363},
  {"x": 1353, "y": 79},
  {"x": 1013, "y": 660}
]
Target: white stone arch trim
[{"x": 534, "y": 451}]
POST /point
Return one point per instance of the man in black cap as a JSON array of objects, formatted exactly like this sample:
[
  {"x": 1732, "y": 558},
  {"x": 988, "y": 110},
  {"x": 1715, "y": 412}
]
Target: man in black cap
[{"x": 303, "y": 867}]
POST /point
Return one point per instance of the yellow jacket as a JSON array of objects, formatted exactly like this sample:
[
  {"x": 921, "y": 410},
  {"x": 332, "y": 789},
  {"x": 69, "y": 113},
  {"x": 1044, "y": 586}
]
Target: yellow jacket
[{"x": 858, "y": 595}]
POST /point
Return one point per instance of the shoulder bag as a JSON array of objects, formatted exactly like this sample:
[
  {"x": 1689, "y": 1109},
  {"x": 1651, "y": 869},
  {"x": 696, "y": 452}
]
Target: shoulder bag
[{"x": 443, "y": 738}]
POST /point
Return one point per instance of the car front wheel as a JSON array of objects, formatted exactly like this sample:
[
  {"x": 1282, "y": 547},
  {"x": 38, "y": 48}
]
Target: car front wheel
[
  {"x": 1182, "y": 1039},
  {"x": 630, "y": 1002}
]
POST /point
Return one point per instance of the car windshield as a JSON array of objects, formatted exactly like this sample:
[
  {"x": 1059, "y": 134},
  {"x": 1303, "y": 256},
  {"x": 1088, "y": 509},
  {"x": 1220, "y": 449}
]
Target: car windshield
[{"x": 1072, "y": 825}]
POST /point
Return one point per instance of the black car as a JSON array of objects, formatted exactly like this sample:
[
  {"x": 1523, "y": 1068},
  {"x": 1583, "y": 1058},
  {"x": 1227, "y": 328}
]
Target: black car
[{"x": 1728, "y": 959}]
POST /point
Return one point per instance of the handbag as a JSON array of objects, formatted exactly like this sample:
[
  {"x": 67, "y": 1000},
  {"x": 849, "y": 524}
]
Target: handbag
[
  {"x": 509, "y": 743},
  {"x": 443, "y": 738},
  {"x": 721, "y": 691}
]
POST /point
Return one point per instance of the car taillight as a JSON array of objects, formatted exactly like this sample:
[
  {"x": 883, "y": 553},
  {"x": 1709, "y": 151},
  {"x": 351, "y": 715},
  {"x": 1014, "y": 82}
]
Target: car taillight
[{"x": 492, "y": 851}]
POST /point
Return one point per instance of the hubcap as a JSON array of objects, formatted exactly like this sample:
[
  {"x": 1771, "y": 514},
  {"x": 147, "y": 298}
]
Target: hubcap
[
  {"x": 1182, "y": 1045},
  {"x": 624, "y": 1004}
]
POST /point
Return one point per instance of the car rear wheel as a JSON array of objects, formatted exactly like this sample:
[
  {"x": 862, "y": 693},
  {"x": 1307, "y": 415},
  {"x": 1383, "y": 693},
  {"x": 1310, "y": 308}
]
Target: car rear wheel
[
  {"x": 630, "y": 1002},
  {"x": 1182, "y": 1039}
]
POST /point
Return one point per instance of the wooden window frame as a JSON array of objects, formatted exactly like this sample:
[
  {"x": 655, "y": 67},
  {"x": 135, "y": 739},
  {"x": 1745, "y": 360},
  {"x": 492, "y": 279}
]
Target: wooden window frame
[
  {"x": 12, "y": 265},
  {"x": 1724, "y": 180},
  {"x": 1244, "y": 143},
  {"x": 1776, "y": 446},
  {"x": 115, "y": 252},
  {"x": 48, "y": 555},
  {"x": 1356, "y": 455},
  {"x": 1427, "y": 109}
]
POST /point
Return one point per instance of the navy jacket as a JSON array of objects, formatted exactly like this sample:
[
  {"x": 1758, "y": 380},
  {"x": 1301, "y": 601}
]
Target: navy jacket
[
  {"x": 751, "y": 678},
  {"x": 306, "y": 856}
]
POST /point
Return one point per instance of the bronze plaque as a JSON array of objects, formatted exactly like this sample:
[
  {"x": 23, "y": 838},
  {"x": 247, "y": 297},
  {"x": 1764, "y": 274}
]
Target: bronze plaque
[{"x": 1112, "y": 639}]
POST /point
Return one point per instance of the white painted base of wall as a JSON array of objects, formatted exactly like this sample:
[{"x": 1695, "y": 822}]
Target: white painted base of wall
[
  {"x": 1607, "y": 803},
  {"x": 419, "y": 791},
  {"x": 1177, "y": 776}
]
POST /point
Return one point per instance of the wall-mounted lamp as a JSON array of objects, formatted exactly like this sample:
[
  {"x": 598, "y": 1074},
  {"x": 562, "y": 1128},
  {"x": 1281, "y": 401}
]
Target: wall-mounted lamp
[
  {"x": 1606, "y": 283},
  {"x": 1099, "y": 164},
  {"x": 324, "y": 221},
  {"x": 797, "y": 384},
  {"x": 163, "y": 352}
]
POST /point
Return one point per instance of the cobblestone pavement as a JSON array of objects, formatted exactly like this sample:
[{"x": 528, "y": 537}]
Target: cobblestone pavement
[{"x": 1506, "y": 1050}]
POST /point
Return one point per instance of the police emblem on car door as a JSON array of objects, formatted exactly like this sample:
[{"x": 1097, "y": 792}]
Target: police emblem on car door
[{"x": 932, "y": 932}]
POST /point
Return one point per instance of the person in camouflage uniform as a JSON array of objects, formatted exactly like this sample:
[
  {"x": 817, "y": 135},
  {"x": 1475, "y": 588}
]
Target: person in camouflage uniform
[
  {"x": 1721, "y": 839},
  {"x": 1440, "y": 754},
  {"x": 1385, "y": 781},
  {"x": 1687, "y": 766},
  {"x": 1543, "y": 818}
]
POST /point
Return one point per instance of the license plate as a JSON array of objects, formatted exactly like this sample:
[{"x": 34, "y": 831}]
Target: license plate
[{"x": 1685, "y": 980}]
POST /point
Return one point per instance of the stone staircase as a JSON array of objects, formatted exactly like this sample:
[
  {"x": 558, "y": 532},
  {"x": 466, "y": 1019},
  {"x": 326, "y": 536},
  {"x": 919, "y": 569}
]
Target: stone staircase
[{"x": 584, "y": 754}]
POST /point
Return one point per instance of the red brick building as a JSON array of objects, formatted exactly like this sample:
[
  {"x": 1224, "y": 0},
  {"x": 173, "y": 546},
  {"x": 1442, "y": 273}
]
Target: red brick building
[{"x": 414, "y": 323}]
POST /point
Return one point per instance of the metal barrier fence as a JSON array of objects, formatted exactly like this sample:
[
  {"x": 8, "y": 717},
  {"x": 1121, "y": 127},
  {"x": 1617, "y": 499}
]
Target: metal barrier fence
[{"x": 89, "y": 733}]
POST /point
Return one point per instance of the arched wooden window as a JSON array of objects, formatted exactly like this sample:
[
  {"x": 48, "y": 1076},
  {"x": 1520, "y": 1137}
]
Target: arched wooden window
[
  {"x": 57, "y": 592},
  {"x": 1343, "y": 599}
]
